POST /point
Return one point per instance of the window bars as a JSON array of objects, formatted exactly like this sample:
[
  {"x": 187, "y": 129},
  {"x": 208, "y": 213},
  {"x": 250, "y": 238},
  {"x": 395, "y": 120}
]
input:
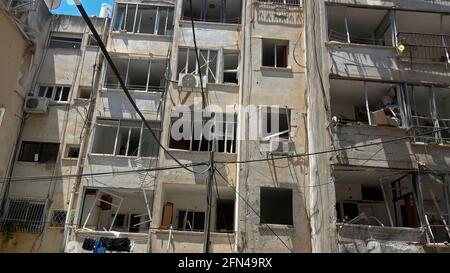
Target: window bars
[{"x": 24, "y": 215}]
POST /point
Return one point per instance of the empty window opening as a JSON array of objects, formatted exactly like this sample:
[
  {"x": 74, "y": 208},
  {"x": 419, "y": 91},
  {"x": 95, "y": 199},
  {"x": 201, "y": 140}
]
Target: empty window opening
[
  {"x": 276, "y": 206},
  {"x": 24, "y": 215},
  {"x": 230, "y": 68},
  {"x": 187, "y": 63},
  {"x": 64, "y": 42},
  {"x": 275, "y": 123},
  {"x": 139, "y": 75},
  {"x": 225, "y": 215},
  {"x": 54, "y": 93},
  {"x": 275, "y": 53},
  {"x": 430, "y": 113},
  {"x": 85, "y": 93},
  {"x": 39, "y": 152},
  {"x": 374, "y": 103},
  {"x": 217, "y": 133},
  {"x": 219, "y": 11},
  {"x": 191, "y": 220},
  {"x": 125, "y": 138},
  {"x": 140, "y": 18},
  {"x": 72, "y": 151},
  {"x": 58, "y": 218},
  {"x": 360, "y": 25}
]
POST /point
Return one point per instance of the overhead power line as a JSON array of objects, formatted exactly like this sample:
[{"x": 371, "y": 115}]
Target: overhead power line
[{"x": 122, "y": 83}]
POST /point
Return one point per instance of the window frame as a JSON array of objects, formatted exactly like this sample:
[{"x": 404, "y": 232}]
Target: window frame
[
  {"x": 118, "y": 126},
  {"x": 215, "y": 74},
  {"x": 278, "y": 134},
  {"x": 25, "y": 220},
  {"x": 134, "y": 8},
  {"x": 54, "y": 90},
  {"x": 228, "y": 149},
  {"x": 185, "y": 226},
  {"x": 276, "y": 43},
  {"x": 40, "y": 151}
]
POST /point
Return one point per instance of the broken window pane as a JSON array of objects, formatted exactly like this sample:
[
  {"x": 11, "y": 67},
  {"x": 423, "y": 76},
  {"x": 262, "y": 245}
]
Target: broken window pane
[
  {"x": 282, "y": 213},
  {"x": 275, "y": 123}
]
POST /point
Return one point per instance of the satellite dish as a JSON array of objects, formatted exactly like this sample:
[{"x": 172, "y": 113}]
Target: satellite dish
[{"x": 53, "y": 4}]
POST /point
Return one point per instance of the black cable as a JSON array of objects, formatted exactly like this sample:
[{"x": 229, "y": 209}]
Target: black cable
[
  {"x": 122, "y": 84},
  {"x": 197, "y": 57},
  {"x": 254, "y": 211},
  {"x": 37, "y": 178}
]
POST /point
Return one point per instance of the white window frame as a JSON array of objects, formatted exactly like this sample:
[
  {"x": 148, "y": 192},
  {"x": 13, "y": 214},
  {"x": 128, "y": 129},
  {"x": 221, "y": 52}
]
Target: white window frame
[
  {"x": 118, "y": 127},
  {"x": 53, "y": 97},
  {"x": 160, "y": 11},
  {"x": 215, "y": 74},
  {"x": 236, "y": 70},
  {"x": 187, "y": 226},
  {"x": 277, "y": 43},
  {"x": 228, "y": 132}
]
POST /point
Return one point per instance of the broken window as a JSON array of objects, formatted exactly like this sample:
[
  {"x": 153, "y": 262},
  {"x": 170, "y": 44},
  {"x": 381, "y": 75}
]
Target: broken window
[
  {"x": 230, "y": 67},
  {"x": 216, "y": 133},
  {"x": 54, "y": 93},
  {"x": 191, "y": 220},
  {"x": 139, "y": 18},
  {"x": 430, "y": 114},
  {"x": 138, "y": 74},
  {"x": 24, "y": 215},
  {"x": 219, "y": 11},
  {"x": 208, "y": 58},
  {"x": 282, "y": 212},
  {"x": 275, "y": 123},
  {"x": 373, "y": 103},
  {"x": 125, "y": 138},
  {"x": 39, "y": 152},
  {"x": 360, "y": 25},
  {"x": 64, "y": 42},
  {"x": 275, "y": 53},
  {"x": 92, "y": 41}
]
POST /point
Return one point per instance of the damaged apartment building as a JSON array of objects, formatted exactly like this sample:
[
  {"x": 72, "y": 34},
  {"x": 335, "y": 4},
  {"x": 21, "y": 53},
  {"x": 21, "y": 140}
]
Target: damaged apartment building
[
  {"x": 383, "y": 91},
  {"x": 359, "y": 162}
]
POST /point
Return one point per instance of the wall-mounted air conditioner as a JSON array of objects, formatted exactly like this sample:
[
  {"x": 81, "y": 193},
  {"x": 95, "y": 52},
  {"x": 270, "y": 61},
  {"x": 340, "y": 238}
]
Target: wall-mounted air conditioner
[
  {"x": 191, "y": 81},
  {"x": 36, "y": 105}
]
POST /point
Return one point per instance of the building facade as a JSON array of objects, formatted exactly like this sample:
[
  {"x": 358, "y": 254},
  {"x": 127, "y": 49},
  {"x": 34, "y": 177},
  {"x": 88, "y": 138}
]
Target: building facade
[{"x": 300, "y": 126}]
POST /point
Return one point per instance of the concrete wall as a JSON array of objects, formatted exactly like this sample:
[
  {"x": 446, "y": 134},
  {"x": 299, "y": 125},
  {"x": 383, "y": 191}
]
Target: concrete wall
[
  {"x": 260, "y": 86},
  {"x": 63, "y": 124}
]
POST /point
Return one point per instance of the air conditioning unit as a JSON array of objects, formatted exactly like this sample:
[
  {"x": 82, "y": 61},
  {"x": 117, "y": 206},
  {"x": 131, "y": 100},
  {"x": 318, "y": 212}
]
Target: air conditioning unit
[
  {"x": 36, "y": 105},
  {"x": 277, "y": 147},
  {"x": 191, "y": 81}
]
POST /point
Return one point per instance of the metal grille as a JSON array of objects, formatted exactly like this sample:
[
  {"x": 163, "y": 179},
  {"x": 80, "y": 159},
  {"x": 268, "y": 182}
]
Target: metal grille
[
  {"x": 58, "y": 218},
  {"x": 24, "y": 215},
  {"x": 421, "y": 46}
]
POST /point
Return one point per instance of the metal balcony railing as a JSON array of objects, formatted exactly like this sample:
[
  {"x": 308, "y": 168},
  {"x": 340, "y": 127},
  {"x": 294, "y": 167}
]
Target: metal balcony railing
[{"x": 423, "y": 46}]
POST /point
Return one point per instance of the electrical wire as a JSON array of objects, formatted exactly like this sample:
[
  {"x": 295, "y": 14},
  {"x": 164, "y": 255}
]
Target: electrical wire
[
  {"x": 122, "y": 83},
  {"x": 328, "y": 151},
  {"x": 44, "y": 178}
]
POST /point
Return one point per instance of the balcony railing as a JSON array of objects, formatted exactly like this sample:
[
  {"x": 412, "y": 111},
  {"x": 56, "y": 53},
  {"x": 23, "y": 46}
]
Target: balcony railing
[{"x": 423, "y": 46}]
